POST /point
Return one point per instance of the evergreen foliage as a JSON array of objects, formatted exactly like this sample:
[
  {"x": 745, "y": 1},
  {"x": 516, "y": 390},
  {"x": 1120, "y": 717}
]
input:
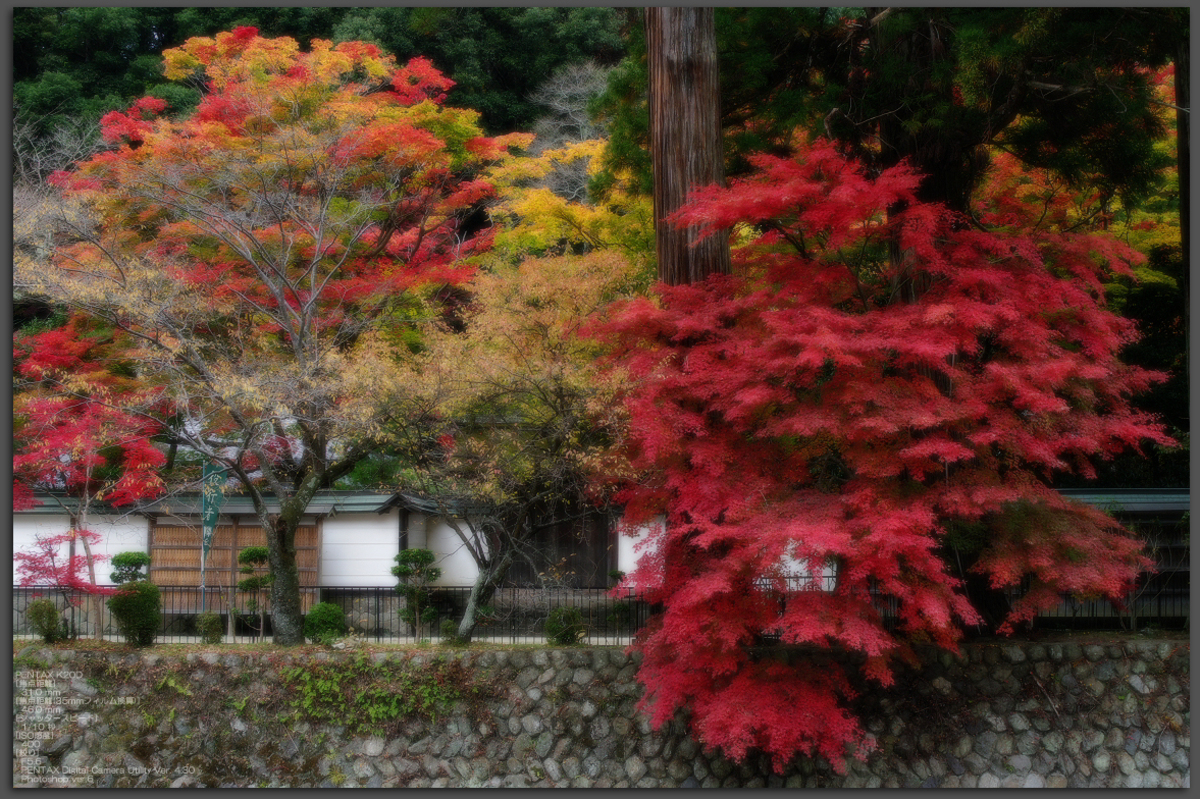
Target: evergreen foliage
[
  {"x": 210, "y": 627},
  {"x": 324, "y": 622},
  {"x": 43, "y": 617},
  {"x": 565, "y": 627},
  {"x": 128, "y": 567},
  {"x": 137, "y": 608},
  {"x": 416, "y": 572}
]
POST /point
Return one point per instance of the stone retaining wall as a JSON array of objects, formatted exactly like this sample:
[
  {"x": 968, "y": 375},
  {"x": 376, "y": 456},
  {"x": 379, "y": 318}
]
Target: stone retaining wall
[{"x": 1003, "y": 715}]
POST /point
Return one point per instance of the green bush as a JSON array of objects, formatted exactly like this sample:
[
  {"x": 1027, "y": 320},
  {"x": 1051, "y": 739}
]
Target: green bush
[
  {"x": 620, "y": 613},
  {"x": 564, "y": 626},
  {"x": 210, "y": 627},
  {"x": 42, "y": 615},
  {"x": 137, "y": 607},
  {"x": 252, "y": 559},
  {"x": 324, "y": 622},
  {"x": 449, "y": 630},
  {"x": 416, "y": 572},
  {"x": 127, "y": 567}
]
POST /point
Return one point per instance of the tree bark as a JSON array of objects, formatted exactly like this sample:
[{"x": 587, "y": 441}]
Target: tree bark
[
  {"x": 484, "y": 588},
  {"x": 80, "y": 522},
  {"x": 686, "y": 147},
  {"x": 286, "y": 618},
  {"x": 1184, "y": 165}
]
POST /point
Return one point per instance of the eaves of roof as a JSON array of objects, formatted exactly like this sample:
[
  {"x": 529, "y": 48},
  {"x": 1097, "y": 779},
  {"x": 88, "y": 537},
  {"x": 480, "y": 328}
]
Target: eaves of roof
[
  {"x": 1133, "y": 500},
  {"x": 323, "y": 504},
  {"x": 431, "y": 507},
  {"x": 1115, "y": 500}
]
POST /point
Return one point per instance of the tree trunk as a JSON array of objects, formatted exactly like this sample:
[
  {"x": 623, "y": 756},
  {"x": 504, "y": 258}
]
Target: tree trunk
[
  {"x": 97, "y": 600},
  {"x": 1184, "y": 164},
  {"x": 686, "y": 148},
  {"x": 486, "y": 581},
  {"x": 80, "y": 522},
  {"x": 286, "y": 618}
]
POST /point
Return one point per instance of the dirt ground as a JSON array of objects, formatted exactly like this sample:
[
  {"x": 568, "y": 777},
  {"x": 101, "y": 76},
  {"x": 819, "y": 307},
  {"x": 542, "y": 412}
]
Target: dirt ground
[{"x": 93, "y": 645}]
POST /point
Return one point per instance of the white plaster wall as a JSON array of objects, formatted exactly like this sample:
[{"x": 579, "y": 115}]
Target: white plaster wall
[
  {"x": 631, "y": 545},
  {"x": 359, "y": 549},
  {"x": 128, "y": 534},
  {"x": 456, "y": 563},
  {"x": 416, "y": 531}
]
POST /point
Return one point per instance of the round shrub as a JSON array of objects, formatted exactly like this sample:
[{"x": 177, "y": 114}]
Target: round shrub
[
  {"x": 324, "y": 622},
  {"x": 210, "y": 628},
  {"x": 42, "y": 615},
  {"x": 137, "y": 607},
  {"x": 564, "y": 626},
  {"x": 127, "y": 567}
]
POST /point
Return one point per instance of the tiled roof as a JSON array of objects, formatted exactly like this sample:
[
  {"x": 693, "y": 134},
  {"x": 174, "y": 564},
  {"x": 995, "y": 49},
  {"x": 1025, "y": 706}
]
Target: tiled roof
[
  {"x": 324, "y": 503},
  {"x": 1133, "y": 500},
  {"x": 1114, "y": 500}
]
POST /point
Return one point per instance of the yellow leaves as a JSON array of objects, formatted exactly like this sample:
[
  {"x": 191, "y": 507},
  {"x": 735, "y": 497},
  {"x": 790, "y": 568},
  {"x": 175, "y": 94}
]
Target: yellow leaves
[
  {"x": 324, "y": 63},
  {"x": 530, "y": 168},
  {"x": 277, "y": 66},
  {"x": 180, "y": 64},
  {"x": 37, "y": 212},
  {"x": 518, "y": 341},
  {"x": 522, "y": 353},
  {"x": 239, "y": 55},
  {"x": 369, "y": 374},
  {"x": 537, "y": 221},
  {"x": 543, "y": 219}
]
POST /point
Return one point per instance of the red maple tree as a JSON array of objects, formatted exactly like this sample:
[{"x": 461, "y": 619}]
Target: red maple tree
[
  {"x": 82, "y": 435},
  {"x": 880, "y": 383},
  {"x": 81, "y": 427},
  {"x": 268, "y": 254},
  {"x": 46, "y": 565}
]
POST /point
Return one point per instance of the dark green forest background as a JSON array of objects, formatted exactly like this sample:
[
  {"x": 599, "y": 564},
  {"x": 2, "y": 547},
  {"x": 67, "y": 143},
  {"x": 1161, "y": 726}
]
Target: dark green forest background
[{"x": 1056, "y": 87}]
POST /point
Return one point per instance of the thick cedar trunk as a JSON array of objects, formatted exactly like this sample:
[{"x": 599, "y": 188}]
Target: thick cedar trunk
[
  {"x": 685, "y": 136},
  {"x": 1184, "y": 155}
]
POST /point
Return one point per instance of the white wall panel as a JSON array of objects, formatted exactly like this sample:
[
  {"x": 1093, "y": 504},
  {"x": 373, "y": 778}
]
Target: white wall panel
[
  {"x": 359, "y": 549},
  {"x": 129, "y": 534},
  {"x": 455, "y": 561}
]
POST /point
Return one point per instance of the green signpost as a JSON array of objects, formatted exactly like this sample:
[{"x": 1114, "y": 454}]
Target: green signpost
[{"x": 211, "y": 493}]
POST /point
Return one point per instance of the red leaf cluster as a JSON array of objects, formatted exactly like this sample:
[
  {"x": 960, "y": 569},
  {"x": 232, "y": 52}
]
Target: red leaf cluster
[
  {"x": 132, "y": 125},
  {"x": 419, "y": 80},
  {"x": 876, "y": 372},
  {"x": 75, "y": 429},
  {"x": 47, "y": 564}
]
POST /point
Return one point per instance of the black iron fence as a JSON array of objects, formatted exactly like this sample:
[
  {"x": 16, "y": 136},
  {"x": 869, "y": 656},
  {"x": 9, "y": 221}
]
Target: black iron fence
[
  {"x": 513, "y": 615},
  {"x": 519, "y": 614}
]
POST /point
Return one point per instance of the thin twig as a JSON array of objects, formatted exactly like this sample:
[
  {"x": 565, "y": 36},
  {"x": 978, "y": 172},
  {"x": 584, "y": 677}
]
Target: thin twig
[{"x": 1048, "y": 699}]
